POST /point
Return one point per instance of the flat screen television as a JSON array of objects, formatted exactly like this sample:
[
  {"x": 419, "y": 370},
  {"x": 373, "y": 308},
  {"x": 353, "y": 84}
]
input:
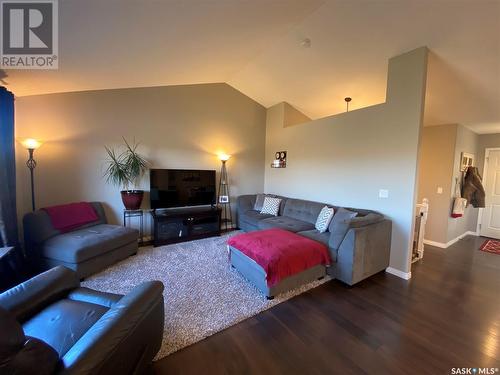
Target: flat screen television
[{"x": 181, "y": 188}]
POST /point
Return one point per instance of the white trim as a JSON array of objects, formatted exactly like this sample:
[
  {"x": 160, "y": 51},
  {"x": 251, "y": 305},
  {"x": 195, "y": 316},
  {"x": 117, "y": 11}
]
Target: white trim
[
  {"x": 435, "y": 244},
  {"x": 479, "y": 220},
  {"x": 398, "y": 273},
  {"x": 485, "y": 168},
  {"x": 449, "y": 243}
]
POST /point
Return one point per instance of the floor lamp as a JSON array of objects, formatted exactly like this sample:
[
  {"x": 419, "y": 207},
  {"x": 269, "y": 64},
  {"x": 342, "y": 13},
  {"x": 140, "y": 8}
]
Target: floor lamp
[
  {"x": 223, "y": 201},
  {"x": 31, "y": 145}
]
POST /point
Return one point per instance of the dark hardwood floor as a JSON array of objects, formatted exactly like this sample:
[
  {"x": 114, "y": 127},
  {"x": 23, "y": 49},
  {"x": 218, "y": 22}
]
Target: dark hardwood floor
[{"x": 446, "y": 316}]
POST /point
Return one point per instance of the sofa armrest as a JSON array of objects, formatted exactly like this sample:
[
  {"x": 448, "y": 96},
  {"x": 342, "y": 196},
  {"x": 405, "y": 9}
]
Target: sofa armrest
[
  {"x": 128, "y": 334},
  {"x": 364, "y": 251},
  {"x": 243, "y": 204},
  {"x": 92, "y": 296},
  {"x": 99, "y": 209},
  {"x": 37, "y": 229},
  {"x": 34, "y": 294}
]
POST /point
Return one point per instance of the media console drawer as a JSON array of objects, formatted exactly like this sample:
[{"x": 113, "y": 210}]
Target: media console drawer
[
  {"x": 185, "y": 224},
  {"x": 202, "y": 228},
  {"x": 172, "y": 229}
]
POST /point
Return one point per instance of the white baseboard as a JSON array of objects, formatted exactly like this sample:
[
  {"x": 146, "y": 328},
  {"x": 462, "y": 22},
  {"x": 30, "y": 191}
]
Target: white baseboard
[
  {"x": 398, "y": 273},
  {"x": 435, "y": 244},
  {"x": 443, "y": 245}
]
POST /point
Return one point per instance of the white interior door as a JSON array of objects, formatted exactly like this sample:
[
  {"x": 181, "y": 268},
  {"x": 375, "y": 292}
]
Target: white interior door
[{"x": 490, "y": 222}]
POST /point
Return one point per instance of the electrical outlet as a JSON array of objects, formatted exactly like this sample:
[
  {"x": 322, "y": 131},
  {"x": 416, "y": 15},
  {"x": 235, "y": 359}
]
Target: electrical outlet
[
  {"x": 440, "y": 190},
  {"x": 383, "y": 193}
]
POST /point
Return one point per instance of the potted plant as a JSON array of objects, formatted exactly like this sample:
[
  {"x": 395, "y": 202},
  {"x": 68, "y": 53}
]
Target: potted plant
[{"x": 125, "y": 170}]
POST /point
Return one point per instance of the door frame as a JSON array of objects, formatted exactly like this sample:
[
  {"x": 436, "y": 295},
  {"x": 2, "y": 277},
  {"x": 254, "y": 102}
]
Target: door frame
[{"x": 485, "y": 168}]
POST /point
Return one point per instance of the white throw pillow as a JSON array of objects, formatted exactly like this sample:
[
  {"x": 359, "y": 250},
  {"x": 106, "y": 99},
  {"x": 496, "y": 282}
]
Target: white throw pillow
[
  {"x": 271, "y": 206},
  {"x": 324, "y": 218}
]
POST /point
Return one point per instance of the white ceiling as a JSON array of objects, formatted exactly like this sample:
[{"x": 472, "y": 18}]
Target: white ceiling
[{"x": 255, "y": 45}]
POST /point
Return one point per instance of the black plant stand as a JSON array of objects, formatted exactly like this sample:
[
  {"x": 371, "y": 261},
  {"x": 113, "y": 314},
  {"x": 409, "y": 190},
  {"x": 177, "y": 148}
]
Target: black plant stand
[{"x": 128, "y": 214}]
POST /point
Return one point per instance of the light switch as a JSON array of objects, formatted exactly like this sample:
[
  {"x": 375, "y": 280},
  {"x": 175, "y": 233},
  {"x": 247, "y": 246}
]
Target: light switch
[
  {"x": 440, "y": 190},
  {"x": 383, "y": 193}
]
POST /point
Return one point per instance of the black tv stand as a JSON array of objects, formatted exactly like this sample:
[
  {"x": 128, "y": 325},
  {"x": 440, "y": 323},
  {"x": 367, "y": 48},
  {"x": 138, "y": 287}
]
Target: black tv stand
[{"x": 185, "y": 224}]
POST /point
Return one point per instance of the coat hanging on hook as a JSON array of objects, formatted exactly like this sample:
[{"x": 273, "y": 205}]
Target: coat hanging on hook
[{"x": 473, "y": 189}]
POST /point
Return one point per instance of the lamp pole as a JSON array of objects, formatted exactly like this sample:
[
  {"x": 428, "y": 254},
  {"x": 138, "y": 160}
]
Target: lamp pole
[
  {"x": 225, "y": 202},
  {"x": 31, "y": 164},
  {"x": 31, "y": 145}
]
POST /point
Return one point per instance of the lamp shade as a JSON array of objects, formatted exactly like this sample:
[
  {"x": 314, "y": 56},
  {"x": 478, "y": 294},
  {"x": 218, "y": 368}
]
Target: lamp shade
[
  {"x": 224, "y": 157},
  {"x": 31, "y": 143}
]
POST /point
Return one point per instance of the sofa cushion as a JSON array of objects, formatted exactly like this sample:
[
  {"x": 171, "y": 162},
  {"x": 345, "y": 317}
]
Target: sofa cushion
[
  {"x": 259, "y": 202},
  {"x": 302, "y": 210},
  {"x": 321, "y": 237},
  {"x": 62, "y": 323},
  {"x": 253, "y": 217},
  {"x": 286, "y": 223},
  {"x": 87, "y": 243},
  {"x": 316, "y": 235}
]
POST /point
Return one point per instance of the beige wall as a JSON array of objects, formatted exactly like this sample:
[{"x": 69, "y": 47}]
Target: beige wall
[
  {"x": 437, "y": 151},
  {"x": 293, "y": 116},
  {"x": 466, "y": 141},
  {"x": 440, "y": 152},
  {"x": 345, "y": 159},
  {"x": 178, "y": 127}
]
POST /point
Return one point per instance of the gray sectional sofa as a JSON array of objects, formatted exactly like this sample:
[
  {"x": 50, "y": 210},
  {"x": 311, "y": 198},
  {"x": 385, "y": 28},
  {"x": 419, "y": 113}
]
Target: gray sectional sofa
[
  {"x": 359, "y": 247},
  {"x": 86, "y": 250}
]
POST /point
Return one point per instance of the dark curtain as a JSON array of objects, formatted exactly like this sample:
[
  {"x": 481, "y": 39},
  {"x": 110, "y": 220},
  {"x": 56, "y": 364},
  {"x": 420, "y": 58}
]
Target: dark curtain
[{"x": 8, "y": 213}]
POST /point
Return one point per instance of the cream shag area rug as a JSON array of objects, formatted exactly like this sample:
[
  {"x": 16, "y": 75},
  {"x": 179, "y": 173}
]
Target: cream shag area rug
[{"x": 203, "y": 294}]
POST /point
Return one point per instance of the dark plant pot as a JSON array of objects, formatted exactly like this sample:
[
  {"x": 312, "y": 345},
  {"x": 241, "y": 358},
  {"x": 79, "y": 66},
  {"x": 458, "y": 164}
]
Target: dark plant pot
[{"x": 132, "y": 199}]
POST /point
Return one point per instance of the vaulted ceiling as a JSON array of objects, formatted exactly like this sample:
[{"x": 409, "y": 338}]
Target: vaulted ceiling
[{"x": 257, "y": 47}]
